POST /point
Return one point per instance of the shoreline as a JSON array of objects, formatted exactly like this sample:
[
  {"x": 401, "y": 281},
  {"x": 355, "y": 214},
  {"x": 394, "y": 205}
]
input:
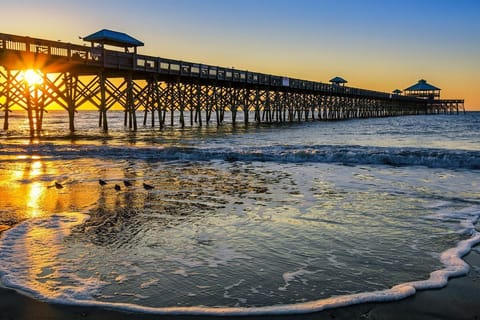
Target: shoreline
[
  {"x": 28, "y": 189},
  {"x": 458, "y": 300}
]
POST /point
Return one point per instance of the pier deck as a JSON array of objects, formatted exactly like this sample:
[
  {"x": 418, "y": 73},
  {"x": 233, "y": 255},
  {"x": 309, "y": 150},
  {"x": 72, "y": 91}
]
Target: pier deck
[{"x": 75, "y": 75}]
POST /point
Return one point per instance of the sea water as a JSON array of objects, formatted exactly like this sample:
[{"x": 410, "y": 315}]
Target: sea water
[{"x": 242, "y": 219}]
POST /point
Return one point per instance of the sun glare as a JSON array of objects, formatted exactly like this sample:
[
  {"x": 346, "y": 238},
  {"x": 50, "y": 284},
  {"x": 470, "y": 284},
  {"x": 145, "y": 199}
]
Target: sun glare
[{"x": 32, "y": 77}]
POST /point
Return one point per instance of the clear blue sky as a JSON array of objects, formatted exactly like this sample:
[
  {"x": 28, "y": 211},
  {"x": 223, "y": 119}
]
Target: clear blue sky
[{"x": 376, "y": 44}]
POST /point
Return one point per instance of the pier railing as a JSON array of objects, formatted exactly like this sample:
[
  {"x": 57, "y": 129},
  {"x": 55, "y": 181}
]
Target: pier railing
[
  {"x": 76, "y": 56},
  {"x": 82, "y": 74}
]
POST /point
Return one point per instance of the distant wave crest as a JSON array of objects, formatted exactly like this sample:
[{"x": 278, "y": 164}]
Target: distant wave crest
[{"x": 347, "y": 155}]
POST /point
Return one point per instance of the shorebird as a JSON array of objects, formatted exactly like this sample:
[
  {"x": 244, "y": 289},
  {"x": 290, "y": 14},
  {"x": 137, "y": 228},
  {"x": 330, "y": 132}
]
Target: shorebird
[
  {"x": 117, "y": 187},
  {"x": 58, "y": 185},
  {"x": 147, "y": 186},
  {"x": 127, "y": 183},
  {"x": 102, "y": 182}
]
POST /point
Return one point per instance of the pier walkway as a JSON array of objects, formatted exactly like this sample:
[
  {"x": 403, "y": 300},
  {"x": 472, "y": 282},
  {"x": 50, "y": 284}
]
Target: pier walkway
[{"x": 174, "y": 92}]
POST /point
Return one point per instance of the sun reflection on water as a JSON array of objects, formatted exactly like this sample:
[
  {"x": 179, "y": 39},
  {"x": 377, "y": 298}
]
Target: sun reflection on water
[
  {"x": 33, "y": 199},
  {"x": 35, "y": 168},
  {"x": 35, "y": 189},
  {"x": 23, "y": 188},
  {"x": 27, "y": 187}
]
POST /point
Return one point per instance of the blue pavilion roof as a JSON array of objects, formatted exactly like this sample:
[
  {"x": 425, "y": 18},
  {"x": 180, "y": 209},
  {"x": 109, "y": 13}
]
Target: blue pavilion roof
[
  {"x": 422, "y": 85},
  {"x": 113, "y": 38},
  {"x": 338, "y": 80}
]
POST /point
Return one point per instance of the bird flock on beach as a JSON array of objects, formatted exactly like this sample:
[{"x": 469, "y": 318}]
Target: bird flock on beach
[{"x": 117, "y": 187}]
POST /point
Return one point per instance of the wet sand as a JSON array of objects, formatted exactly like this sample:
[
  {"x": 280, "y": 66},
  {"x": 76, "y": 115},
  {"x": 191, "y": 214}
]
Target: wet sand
[{"x": 459, "y": 300}]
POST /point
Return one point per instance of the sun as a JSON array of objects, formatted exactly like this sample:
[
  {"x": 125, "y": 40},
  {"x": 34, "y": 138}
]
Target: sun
[{"x": 32, "y": 77}]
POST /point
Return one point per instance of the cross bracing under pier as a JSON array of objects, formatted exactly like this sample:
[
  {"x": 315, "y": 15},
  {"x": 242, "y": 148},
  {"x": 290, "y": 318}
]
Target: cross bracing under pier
[{"x": 73, "y": 76}]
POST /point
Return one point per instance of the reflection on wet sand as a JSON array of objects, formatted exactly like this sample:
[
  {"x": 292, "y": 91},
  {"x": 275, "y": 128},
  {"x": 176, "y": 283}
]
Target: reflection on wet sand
[
  {"x": 33, "y": 199},
  {"x": 175, "y": 197},
  {"x": 27, "y": 186},
  {"x": 23, "y": 189},
  {"x": 185, "y": 193}
]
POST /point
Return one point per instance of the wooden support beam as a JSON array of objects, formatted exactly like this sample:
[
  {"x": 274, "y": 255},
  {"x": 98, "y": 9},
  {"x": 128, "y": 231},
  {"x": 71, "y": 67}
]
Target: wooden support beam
[
  {"x": 171, "y": 101},
  {"x": 70, "y": 93},
  {"x": 130, "y": 103},
  {"x": 181, "y": 98},
  {"x": 6, "y": 93},
  {"x": 103, "y": 102}
]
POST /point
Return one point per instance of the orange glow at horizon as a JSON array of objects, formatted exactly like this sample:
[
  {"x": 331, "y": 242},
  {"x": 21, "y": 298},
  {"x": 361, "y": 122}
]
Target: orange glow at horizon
[
  {"x": 376, "y": 81},
  {"x": 375, "y": 45}
]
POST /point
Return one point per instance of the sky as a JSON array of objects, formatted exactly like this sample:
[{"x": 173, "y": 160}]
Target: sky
[{"x": 373, "y": 44}]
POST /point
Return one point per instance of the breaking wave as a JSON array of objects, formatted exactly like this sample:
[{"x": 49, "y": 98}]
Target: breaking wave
[{"x": 344, "y": 154}]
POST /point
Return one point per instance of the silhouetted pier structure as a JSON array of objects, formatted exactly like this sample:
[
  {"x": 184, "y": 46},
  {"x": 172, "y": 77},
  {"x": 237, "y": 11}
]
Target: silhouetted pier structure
[{"x": 71, "y": 76}]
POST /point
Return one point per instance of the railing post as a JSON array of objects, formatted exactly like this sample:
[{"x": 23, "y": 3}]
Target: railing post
[{"x": 27, "y": 45}]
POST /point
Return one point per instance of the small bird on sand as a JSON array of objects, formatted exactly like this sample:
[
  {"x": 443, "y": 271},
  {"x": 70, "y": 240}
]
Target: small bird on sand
[
  {"x": 147, "y": 186},
  {"x": 102, "y": 182},
  {"x": 127, "y": 183},
  {"x": 117, "y": 187},
  {"x": 58, "y": 185}
]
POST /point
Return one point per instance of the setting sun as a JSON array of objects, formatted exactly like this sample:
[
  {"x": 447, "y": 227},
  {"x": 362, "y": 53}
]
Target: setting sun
[{"x": 32, "y": 77}]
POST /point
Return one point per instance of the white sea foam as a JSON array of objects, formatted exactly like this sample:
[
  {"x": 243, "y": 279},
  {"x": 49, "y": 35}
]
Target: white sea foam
[
  {"x": 292, "y": 276},
  {"x": 467, "y": 218},
  {"x": 223, "y": 255},
  {"x": 149, "y": 283},
  {"x": 28, "y": 264},
  {"x": 28, "y": 260}
]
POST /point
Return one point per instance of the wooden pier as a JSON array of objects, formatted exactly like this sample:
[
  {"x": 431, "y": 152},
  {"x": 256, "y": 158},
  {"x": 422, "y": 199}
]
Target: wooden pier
[{"x": 71, "y": 76}]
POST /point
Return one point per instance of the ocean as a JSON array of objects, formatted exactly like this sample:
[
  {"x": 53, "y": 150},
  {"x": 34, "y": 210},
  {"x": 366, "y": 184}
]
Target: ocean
[{"x": 241, "y": 220}]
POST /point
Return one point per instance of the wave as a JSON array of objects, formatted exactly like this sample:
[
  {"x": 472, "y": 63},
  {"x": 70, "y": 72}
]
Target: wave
[
  {"x": 341, "y": 154},
  {"x": 81, "y": 292}
]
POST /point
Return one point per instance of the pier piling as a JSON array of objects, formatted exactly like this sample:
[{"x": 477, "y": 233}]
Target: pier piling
[{"x": 78, "y": 75}]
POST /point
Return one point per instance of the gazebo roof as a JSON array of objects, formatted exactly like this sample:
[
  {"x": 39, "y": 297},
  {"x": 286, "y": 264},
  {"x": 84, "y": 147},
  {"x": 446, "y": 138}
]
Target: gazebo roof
[
  {"x": 113, "y": 38},
  {"x": 397, "y": 91},
  {"x": 338, "y": 80},
  {"x": 422, "y": 85}
]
